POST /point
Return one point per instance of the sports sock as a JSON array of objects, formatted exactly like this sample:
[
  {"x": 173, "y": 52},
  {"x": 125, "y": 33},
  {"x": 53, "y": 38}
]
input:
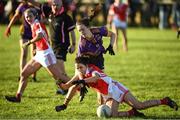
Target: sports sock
[
  {"x": 163, "y": 101},
  {"x": 66, "y": 101},
  {"x": 131, "y": 112},
  {"x": 18, "y": 95}
]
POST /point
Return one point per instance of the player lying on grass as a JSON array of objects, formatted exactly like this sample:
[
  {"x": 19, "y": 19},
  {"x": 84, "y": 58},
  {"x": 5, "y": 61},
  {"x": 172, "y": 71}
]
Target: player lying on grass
[
  {"x": 113, "y": 92},
  {"x": 44, "y": 55}
]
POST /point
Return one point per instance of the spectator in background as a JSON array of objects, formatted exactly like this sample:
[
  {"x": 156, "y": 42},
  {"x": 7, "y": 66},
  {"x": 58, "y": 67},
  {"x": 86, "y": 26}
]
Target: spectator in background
[
  {"x": 2, "y": 4},
  {"x": 164, "y": 13},
  {"x": 153, "y": 8},
  {"x": 117, "y": 17},
  {"x": 26, "y": 34},
  {"x": 176, "y": 14},
  {"x": 135, "y": 7},
  {"x": 106, "y": 6}
]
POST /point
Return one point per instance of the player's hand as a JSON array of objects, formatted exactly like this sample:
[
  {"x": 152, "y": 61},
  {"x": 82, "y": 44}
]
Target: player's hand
[
  {"x": 83, "y": 92},
  {"x": 83, "y": 88},
  {"x": 26, "y": 44},
  {"x": 7, "y": 32},
  {"x": 71, "y": 49},
  {"x": 77, "y": 82},
  {"x": 110, "y": 49}
]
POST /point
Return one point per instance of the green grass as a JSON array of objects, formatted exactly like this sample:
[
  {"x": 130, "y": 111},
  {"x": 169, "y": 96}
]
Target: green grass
[{"x": 151, "y": 70}]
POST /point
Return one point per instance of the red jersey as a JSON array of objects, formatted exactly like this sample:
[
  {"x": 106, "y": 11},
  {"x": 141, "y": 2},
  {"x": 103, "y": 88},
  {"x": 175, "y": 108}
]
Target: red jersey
[
  {"x": 43, "y": 43},
  {"x": 102, "y": 84},
  {"x": 119, "y": 10},
  {"x": 106, "y": 85}
]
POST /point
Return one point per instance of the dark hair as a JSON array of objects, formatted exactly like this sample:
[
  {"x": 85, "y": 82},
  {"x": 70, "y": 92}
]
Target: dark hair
[
  {"x": 82, "y": 60},
  {"x": 86, "y": 20}
]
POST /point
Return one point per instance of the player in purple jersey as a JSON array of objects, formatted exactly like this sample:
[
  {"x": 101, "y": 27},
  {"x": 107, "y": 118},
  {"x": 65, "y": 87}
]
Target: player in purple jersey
[
  {"x": 26, "y": 34},
  {"x": 94, "y": 46},
  {"x": 91, "y": 42}
]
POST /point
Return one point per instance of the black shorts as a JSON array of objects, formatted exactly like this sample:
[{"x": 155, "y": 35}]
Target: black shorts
[
  {"x": 26, "y": 37},
  {"x": 96, "y": 60},
  {"x": 60, "y": 53}
]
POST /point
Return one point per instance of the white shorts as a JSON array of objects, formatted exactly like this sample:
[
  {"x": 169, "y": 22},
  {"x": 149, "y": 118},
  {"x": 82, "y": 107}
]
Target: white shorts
[
  {"x": 117, "y": 92},
  {"x": 45, "y": 57},
  {"x": 118, "y": 23}
]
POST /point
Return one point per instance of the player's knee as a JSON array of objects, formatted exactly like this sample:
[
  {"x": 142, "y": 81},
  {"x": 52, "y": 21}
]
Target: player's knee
[{"x": 62, "y": 77}]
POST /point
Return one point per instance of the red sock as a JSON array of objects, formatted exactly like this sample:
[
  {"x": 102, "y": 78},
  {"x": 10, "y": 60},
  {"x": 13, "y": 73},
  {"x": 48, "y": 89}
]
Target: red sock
[
  {"x": 18, "y": 96},
  {"x": 131, "y": 112},
  {"x": 163, "y": 101}
]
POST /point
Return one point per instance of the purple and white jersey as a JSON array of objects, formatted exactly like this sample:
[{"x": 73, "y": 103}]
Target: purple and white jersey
[
  {"x": 26, "y": 29},
  {"x": 86, "y": 46}
]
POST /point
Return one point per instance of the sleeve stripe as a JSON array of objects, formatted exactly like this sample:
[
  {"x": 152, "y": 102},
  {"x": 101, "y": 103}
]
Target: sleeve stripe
[{"x": 72, "y": 27}]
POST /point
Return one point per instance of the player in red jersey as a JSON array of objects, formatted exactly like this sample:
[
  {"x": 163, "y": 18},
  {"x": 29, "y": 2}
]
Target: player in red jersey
[
  {"x": 117, "y": 17},
  {"x": 113, "y": 92},
  {"x": 44, "y": 55}
]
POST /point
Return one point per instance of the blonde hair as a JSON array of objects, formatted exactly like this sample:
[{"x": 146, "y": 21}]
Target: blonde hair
[{"x": 31, "y": 10}]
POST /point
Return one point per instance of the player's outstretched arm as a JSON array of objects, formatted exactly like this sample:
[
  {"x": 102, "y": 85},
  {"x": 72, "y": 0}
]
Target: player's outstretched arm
[
  {"x": 71, "y": 92},
  {"x": 66, "y": 86},
  {"x": 13, "y": 20},
  {"x": 34, "y": 3}
]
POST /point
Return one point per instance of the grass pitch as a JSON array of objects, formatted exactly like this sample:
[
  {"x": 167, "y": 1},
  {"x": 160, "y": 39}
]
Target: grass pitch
[{"x": 150, "y": 69}]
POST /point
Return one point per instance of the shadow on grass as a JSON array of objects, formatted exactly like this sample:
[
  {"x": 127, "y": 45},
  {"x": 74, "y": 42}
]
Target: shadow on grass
[
  {"x": 39, "y": 97},
  {"x": 163, "y": 117}
]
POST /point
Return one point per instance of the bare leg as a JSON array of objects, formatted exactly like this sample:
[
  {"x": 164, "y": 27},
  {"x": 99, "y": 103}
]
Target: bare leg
[
  {"x": 33, "y": 52},
  {"x": 60, "y": 63},
  {"x": 28, "y": 70},
  {"x": 71, "y": 92},
  {"x": 115, "y": 30},
  {"x": 61, "y": 66},
  {"x": 114, "y": 105},
  {"x": 23, "y": 55},
  {"x": 57, "y": 73},
  {"x": 124, "y": 40},
  {"x": 132, "y": 101}
]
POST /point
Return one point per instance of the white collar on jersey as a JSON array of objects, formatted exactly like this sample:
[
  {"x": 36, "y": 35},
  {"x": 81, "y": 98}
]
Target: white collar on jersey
[{"x": 35, "y": 21}]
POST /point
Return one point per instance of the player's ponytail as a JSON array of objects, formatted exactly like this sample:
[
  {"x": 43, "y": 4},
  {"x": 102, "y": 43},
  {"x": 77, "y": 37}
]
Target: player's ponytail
[
  {"x": 95, "y": 11},
  {"x": 87, "y": 20}
]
